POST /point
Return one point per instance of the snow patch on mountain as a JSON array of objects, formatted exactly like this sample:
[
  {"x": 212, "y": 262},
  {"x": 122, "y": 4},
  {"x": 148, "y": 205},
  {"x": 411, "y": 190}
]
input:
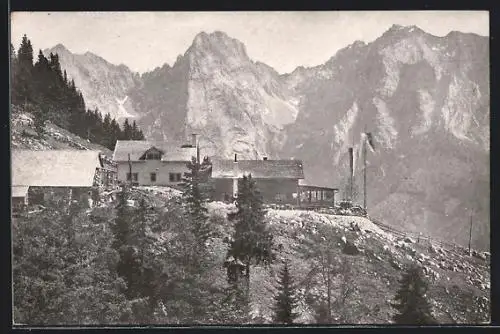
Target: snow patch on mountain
[
  {"x": 427, "y": 105},
  {"x": 457, "y": 109},
  {"x": 432, "y": 55},
  {"x": 403, "y": 52},
  {"x": 342, "y": 129},
  {"x": 387, "y": 133}
]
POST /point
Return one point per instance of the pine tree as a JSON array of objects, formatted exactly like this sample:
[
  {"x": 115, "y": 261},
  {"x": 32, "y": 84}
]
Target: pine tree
[
  {"x": 411, "y": 303},
  {"x": 39, "y": 120},
  {"x": 135, "y": 131},
  {"x": 22, "y": 85},
  {"x": 285, "y": 300},
  {"x": 252, "y": 240},
  {"x": 127, "y": 130},
  {"x": 13, "y": 64},
  {"x": 195, "y": 198},
  {"x": 127, "y": 266}
]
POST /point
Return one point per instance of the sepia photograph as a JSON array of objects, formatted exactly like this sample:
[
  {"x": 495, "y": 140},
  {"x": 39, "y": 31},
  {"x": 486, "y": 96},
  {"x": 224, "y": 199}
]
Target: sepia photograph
[{"x": 250, "y": 168}]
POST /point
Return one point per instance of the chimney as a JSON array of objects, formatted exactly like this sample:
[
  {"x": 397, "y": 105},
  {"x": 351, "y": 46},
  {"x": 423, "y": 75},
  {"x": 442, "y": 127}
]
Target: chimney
[
  {"x": 194, "y": 142},
  {"x": 264, "y": 158}
]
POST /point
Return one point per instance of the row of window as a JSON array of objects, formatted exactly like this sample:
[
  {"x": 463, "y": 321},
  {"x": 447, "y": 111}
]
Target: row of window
[{"x": 173, "y": 177}]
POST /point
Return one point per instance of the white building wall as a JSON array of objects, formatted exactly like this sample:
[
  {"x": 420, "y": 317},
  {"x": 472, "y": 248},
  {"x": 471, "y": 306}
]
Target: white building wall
[{"x": 146, "y": 167}]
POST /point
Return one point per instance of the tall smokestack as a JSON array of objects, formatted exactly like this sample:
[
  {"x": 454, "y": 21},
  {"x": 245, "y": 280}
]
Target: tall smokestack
[
  {"x": 235, "y": 176},
  {"x": 194, "y": 142},
  {"x": 351, "y": 171}
]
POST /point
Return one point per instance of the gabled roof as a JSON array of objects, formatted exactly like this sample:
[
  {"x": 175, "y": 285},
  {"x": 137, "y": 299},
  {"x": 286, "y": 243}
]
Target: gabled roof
[
  {"x": 54, "y": 168},
  {"x": 136, "y": 149},
  {"x": 289, "y": 169}
]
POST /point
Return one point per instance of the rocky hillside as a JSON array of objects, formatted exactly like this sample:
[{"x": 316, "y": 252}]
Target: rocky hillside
[
  {"x": 459, "y": 283},
  {"x": 103, "y": 85},
  {"x": 420, "y": 95},
  {"x": 24, "y": 136}
]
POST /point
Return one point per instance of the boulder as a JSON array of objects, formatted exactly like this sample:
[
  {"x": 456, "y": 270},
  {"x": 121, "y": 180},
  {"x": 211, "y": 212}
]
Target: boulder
[
  {"x": 350, "y": 249},
  {"x": 409, "y": 240}
]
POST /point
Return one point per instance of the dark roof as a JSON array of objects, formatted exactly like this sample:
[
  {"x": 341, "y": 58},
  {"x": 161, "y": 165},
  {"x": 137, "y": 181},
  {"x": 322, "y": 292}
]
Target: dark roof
[
  {"x": 54, "y": 168},
  {"x": 304, "y": 184},
  {"x": 136, "y": 148},
  {"x": 289, "y": 169}
]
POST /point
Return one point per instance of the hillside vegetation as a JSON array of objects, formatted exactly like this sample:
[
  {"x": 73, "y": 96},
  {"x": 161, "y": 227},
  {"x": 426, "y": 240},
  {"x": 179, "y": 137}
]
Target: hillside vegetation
[{"x": 65, "y": 267}]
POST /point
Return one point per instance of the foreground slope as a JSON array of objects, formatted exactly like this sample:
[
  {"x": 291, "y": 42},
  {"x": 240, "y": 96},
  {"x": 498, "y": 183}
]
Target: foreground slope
[
  {"x": 24, "y": 136},
  {"x": 460, "y": 284}
]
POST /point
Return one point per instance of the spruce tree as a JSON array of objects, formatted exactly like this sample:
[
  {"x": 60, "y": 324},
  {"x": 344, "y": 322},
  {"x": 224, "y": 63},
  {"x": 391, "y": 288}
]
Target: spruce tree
[
  {"x": 411, "y": 304},
  {"x": 22, "y": 85},
  {"x": 195, "y": 197},
  {"x": 127, "y": 265},
  {"x": 13, "y": 64},
  {"x": 39, "y": 120},
  {"x": 252, "y": 240},
  {"x": 285, "y": 300}
]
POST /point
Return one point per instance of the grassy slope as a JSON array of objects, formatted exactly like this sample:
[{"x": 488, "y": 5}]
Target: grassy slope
[
  {"x": 453, "y": 275},
  {"x": 376, "y": 270}
]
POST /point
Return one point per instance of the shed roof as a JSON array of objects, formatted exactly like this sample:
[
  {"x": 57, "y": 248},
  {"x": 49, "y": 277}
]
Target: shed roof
[
  {"x": 54, "y": 168},
  {"x": 19, "y": 191},
  {"x": 136, "y": 148},
  {"x": 321, "y": 185},
  {"x": 289, "y": 169}
]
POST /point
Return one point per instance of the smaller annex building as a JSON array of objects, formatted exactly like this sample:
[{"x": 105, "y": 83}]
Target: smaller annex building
[
  {"x": 277, "y": 180},
  {"x": 59, "y": 175}
]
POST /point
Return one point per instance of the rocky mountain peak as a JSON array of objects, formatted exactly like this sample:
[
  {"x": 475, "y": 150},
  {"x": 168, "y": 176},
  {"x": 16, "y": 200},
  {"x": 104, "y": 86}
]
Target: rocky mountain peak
[
  {"x": 416, "y": 92},
  {"x": 217, "y": 44},
  {"x": 60, "y": 49}
]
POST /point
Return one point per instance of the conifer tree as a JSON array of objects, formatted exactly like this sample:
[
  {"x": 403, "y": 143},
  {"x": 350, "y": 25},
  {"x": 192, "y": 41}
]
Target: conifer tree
[
  {"x": 195, "y": 198},
  {"x": 285, "y": 300},
  {"x": 22, "y": 85},
  {"x": 13, "y": 63},
  {"x": 127, "y": 130},
  {"x": 411, "y": 304},
  {"x": 127, "y": 265},
  {"x": 39, "y": 120},
  {"x": 252, "y": 240}
]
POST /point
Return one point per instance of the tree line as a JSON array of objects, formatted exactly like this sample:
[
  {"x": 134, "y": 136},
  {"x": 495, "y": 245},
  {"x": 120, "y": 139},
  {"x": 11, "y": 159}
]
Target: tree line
[
  {"x": 43, "y": 89},
  {"x": 150, "y": 264}
]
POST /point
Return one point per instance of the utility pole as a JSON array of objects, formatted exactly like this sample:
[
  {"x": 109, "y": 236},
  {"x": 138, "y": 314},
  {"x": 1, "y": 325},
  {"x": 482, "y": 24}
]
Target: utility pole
[
  {"x": 130, "y": 168},
  {"x": 364, "y": 168},
  {"x": 470, "y": 230},
  {"x": 351, "y": 173}
]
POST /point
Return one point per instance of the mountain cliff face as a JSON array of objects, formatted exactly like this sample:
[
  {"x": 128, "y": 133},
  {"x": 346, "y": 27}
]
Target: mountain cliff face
[
  {"x": 214, "y": 89},
  {"x": 103, "y": 85},
  {"x": 426, "y": 101},
  {"x": 424, "y": 98}
]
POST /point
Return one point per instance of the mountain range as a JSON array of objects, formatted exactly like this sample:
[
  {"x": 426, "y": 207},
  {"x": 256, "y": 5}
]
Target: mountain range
[{"x": 424, "y": 98}]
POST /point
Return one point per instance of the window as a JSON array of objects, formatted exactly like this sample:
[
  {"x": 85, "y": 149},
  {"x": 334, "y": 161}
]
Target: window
[
  {"x": 175, "y": 177},
  {"x": 153, "y": 177},
  {"x": 135, "y": 177},
  {"x": 280, "y": 197},
  {"x": 154, "y": 155}
]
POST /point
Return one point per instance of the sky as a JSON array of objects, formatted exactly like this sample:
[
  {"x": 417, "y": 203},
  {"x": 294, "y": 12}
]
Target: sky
[{"x": 284, "y": 40}]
